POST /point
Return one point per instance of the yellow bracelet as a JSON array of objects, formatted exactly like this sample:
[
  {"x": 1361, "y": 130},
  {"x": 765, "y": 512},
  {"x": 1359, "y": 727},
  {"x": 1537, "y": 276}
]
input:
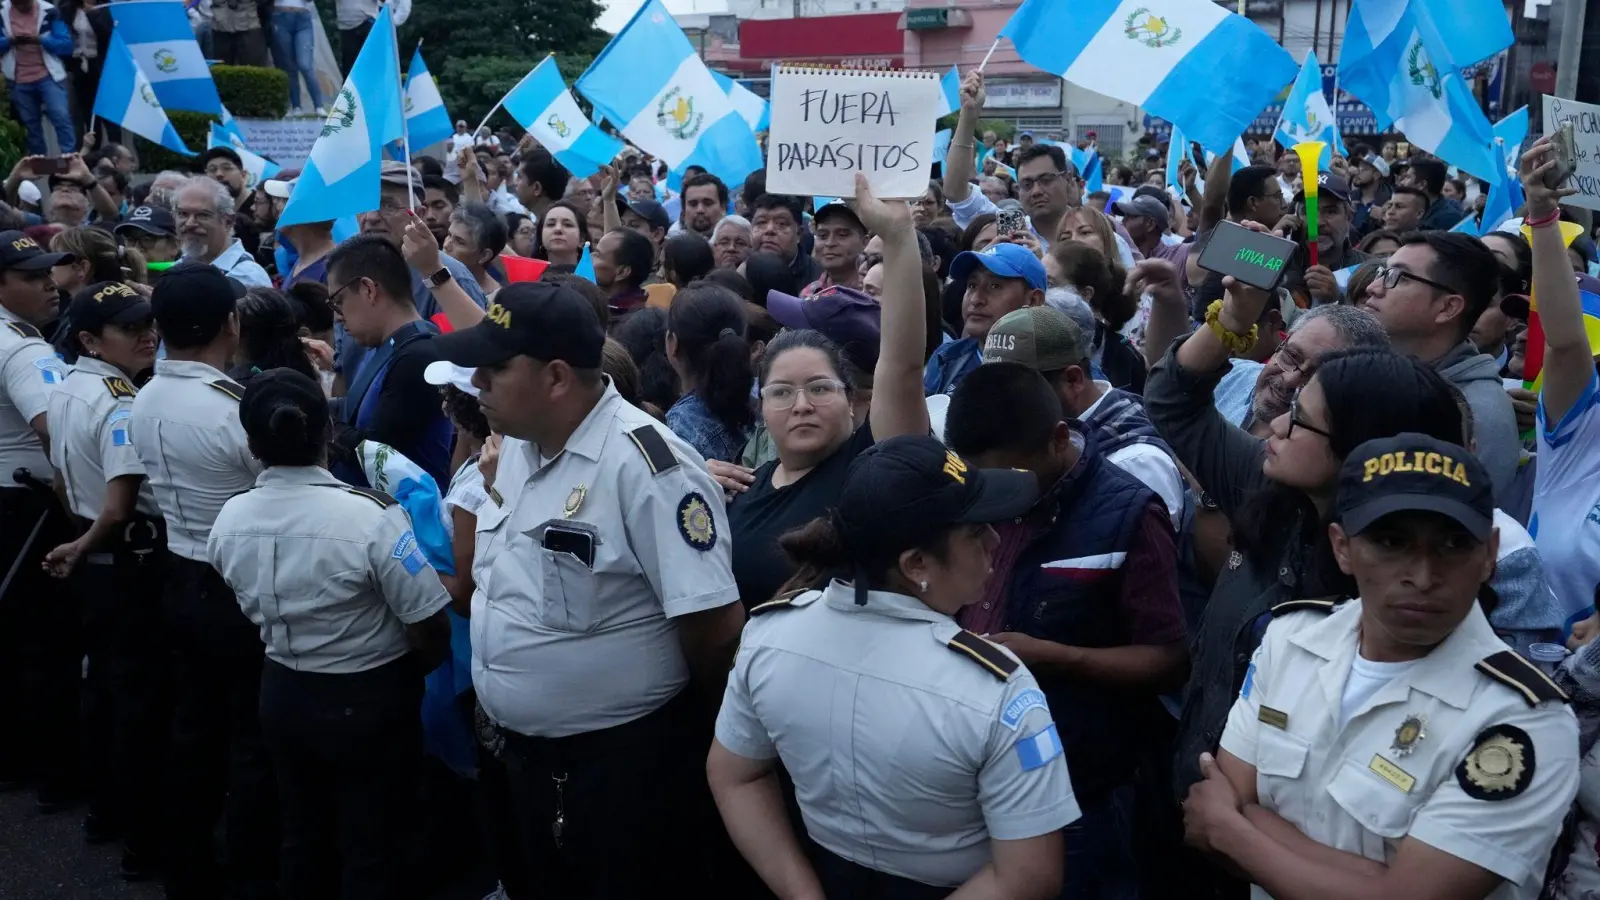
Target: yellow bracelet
[{"x": 1234, "y": 342}]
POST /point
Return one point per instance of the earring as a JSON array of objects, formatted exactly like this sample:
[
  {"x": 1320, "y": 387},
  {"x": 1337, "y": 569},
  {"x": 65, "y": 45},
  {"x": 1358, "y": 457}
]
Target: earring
[{"x": 922, "y": 587}]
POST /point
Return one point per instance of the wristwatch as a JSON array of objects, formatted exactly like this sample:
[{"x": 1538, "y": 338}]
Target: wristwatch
[{"x": 440, "y": 278}]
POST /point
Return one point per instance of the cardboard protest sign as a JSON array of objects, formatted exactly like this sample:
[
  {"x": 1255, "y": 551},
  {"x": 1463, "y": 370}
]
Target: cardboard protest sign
[
  {"x": 1585, "y": 118},
  {"x": 829, "y": 124}
]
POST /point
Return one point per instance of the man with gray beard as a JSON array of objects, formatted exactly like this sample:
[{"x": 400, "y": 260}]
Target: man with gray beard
[{"x": 205, "y": 214}]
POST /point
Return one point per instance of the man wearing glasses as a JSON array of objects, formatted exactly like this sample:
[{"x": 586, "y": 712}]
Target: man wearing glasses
[
  {"x": 205, "y": 216},
  {"x": 1428, "y": 297}
]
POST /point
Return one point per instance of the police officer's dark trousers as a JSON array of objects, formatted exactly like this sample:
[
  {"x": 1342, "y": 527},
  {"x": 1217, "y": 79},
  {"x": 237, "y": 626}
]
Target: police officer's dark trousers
[
  {"x": 40, "y": 648},
  {"x": 845, "y": 880},
  {"x": 347, "y": 752},
  {"x": 624, "y": 800},
  {"x": 127, "y": 710},
  {"x": 217, "y": 765}
]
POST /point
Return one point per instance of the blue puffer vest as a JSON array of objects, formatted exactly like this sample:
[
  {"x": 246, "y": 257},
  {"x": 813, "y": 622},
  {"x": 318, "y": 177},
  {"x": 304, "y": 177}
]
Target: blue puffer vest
[{"x": 1066, "y": 588}]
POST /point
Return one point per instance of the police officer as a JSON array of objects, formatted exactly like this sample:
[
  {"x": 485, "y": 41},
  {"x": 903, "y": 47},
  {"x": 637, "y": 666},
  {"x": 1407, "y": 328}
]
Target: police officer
[
  {"x": 186, "y": 429},
  {"x": 924, "y": 758},
  {"x": 119, "y": 555},
  {"x": 38, "y": 644},
  {"x": 333, "y": 577},
  {"x": 1393, "y": 746},
  {"x": 607, "y": 611}
]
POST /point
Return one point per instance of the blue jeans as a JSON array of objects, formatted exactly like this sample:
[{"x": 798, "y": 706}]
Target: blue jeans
[
  {"x": 49, "y": 97},
  {"x": 294, "y": 49}
]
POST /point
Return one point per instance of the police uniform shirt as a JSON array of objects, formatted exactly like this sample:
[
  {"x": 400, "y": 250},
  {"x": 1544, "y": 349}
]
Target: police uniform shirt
[
  {"x": 561, "y": 647},
  {"x": 1471, "y": 750},
  {"x": 911, "y": 741},
  {"x": 29, "y": 372},
  {"x": 186, "y": 429},
  {"x": 331, "y": 574},
  {"x": 90, "y": 437}
]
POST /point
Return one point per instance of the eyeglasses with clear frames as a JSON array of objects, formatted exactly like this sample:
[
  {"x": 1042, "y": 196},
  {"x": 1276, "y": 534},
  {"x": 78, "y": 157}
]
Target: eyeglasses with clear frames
[{"x": 819, "y": 392}]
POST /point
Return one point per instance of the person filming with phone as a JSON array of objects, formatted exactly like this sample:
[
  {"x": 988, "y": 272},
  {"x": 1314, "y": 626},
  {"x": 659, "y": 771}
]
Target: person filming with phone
[{"x": 34, "y": 39}]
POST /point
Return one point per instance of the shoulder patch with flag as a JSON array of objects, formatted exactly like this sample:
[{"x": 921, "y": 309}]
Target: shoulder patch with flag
[{"x": 1037, "y": 749}]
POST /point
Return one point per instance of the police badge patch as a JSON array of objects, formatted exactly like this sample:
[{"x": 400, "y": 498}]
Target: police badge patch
[
  {"x": 695, "y": 523},
  {"x": 1500, "y": 765}
]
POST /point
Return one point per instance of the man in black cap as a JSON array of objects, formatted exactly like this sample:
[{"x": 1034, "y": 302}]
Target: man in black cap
[
  {"x": 646, "y": 216},
  {"x": 840, "y": 239},
  {"x": 153, "y": 232},
  {"x": 37, "y": 686},
  {"x": 1316, "y": 285},
  {"x": 604, "y": 634},
  {"x": 186, "y": 429},
  {"x": 1393, "y": 745},
  {"x": 1147, "y": 219}
]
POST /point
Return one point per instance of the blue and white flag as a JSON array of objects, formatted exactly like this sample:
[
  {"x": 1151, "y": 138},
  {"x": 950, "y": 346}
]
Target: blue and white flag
[
  {"x": 585, "y": 267},
  {"x": 229, "y": 126},
  {"x": 950, "y": 92},
  {"x": 1404, "y": 59},
  {"x": 1307, "y": 117},
  {"x": 941, "y": 144},
  {"x": 650, "y": 82},
  {"x": 162, "y": 42},
  {"x": 427, "y": 122},
  {"x": 542, "y": 104},
  {"x": 1089, "y": 166},
  {"x": 341, "y": 176},
  {"x": 127, "y": 99},
  {"x": 257, "y": 168},
  {"x": 1178, "y": 59},
  {"x": 750, "y": 106},
  {"x": 1510, "y": 132},
  {"x": 1177, "y": 151},
  {"x": 1500, "y": 204}
]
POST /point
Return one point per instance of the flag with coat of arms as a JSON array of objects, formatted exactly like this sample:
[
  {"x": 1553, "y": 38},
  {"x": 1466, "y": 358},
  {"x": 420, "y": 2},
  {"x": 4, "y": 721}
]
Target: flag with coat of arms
[
  {"x": 650, "y": 82},
  {"x": 1307, "y": 117},
  {"x": 162, "y": 43},
  {"x": 126, "y": 98},
  {"x": 341, "y": 176},
  {"x": 427, "y": 121},
  {"x": 542, "y": 104}
]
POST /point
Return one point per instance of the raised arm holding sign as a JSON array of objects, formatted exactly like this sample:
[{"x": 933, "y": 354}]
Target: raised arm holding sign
[{"x": 829, "y": 124}]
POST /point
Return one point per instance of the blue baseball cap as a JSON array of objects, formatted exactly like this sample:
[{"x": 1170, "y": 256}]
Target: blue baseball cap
[{"x": 1003, "y": 259}]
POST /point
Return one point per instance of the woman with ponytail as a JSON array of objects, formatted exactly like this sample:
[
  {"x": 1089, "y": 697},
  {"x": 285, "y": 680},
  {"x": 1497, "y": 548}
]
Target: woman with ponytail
[
  {"x": 271, "y": 329},
  {"x": 924, "y": 758},
  {"x": 707, "y": 347},
  {"x": 352, "y": 617},
  {"x": 96, "y": 257}
]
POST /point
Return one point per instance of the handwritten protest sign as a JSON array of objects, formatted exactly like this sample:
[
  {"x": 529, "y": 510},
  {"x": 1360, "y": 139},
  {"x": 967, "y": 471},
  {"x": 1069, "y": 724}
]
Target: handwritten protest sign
[
  {"x": 1585, "y": 118},
  {"x": 829, "y": 124}
]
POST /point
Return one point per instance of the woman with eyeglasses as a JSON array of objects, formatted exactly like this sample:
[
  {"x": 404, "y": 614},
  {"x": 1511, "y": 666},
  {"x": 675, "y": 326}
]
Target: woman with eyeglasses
[
  {"x": 1275, "y": 492},
  {"x": 116, "y": 564}
]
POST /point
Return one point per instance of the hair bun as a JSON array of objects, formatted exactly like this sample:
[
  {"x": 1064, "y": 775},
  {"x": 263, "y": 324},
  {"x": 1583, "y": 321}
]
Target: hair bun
[{"x": 288, "y": 422}]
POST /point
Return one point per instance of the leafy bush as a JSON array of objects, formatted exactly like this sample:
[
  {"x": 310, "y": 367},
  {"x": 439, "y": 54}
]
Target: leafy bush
[
  {"x": 193, "y": 127},
  {"x": 253, "y": 91}
]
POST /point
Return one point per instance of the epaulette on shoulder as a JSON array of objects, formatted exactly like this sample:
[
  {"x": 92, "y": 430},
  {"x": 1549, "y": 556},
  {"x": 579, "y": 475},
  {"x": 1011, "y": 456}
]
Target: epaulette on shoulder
[
  {"x": 782, "y": 601},
  {"x": 1322, "y": 605},
  {"x": 120, "y": 388},
  {"x": 1511, "y": 670},
  {"x": 227, "y": 387},
  {"x": 378, "y": 497},
  {"x": 984, "y": 654},
  {"x": 655, "y": 449},
  {"x": 24, "y": 330}
]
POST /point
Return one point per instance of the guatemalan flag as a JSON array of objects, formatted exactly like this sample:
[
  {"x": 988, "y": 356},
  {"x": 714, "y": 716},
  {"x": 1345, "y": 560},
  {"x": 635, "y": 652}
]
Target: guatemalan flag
[
  {"x": 650, "y": 82},
  {"x": 341, "y": 176},
  {"x": 127, "y": 99},
  {"x": 747, "y": 103},
  {"x": 950, "y": 92},
  {"x": 162, "y": 42},
  {"x": 542, "y": 104},
  {"x": 1307, "y": 117},
  {"x": 427, "y": 122},
  {"x": 1404, "y": 59},
  {"x": 1204, "y": 69}
]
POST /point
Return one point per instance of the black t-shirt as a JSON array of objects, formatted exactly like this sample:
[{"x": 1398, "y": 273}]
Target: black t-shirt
[{"x": 761, "y": 515}]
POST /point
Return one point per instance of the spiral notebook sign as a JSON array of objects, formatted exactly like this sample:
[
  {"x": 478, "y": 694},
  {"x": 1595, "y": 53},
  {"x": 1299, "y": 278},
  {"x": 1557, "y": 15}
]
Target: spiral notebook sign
[{"x": 828, "y": 124}]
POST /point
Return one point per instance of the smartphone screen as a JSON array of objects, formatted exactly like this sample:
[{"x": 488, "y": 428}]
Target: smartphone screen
[
  {"x": 579, "y": 544},
  {"x": 48, "y": 166},
  {"x": 1252, "y": 257}
]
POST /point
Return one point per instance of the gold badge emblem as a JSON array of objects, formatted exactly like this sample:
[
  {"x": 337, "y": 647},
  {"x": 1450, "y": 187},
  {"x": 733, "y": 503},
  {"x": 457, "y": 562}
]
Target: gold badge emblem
[
  {"x": 1499, "y": 766},
  {"x": 574, "y": 500},
  {"x": 1412, "y": 730},
  {"x": 695, "y": 523}
]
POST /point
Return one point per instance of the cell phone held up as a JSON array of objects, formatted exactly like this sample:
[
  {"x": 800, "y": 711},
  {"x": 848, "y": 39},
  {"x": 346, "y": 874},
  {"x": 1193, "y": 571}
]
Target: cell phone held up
[
  {"x": 1564, "y": 149},
  {"x": 1009, "y": 222},
  {"x": 1251, "y": 257},
  {"x": 49, "y": 165}
]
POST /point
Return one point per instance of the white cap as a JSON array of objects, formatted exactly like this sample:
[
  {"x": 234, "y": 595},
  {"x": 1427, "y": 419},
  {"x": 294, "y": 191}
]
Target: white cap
[
  {"x": 279, "y": 189},
  {"x": 28, "y": 192},
  {"x": 443, "y": 372}
]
